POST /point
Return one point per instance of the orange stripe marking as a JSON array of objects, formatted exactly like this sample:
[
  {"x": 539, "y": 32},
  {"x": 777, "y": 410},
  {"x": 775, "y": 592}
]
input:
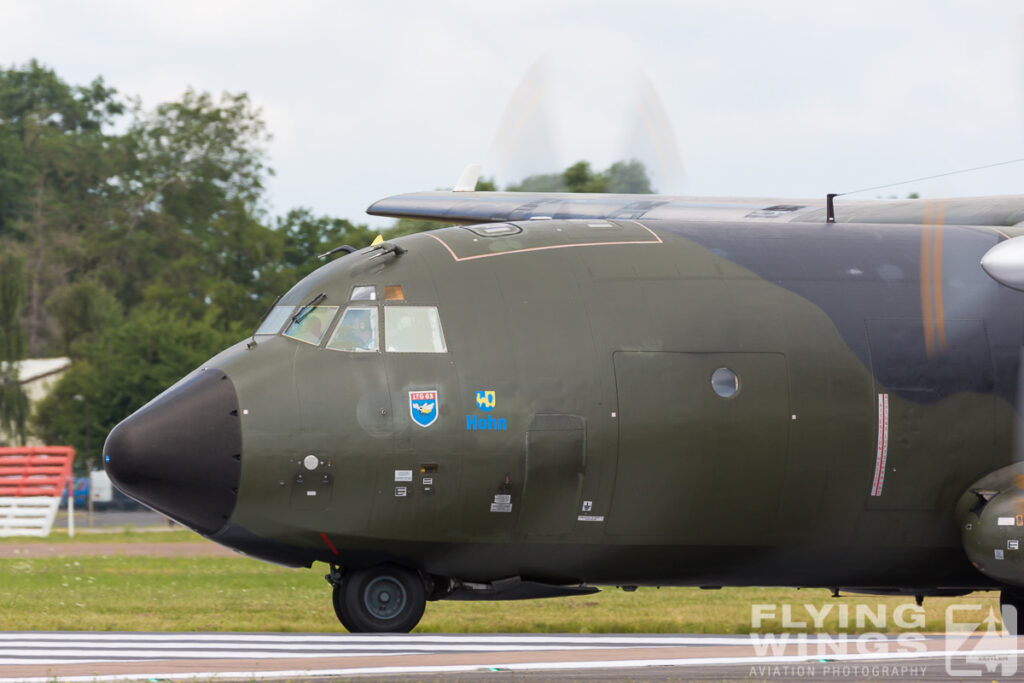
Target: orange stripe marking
[
  {"x": 926, "y": 282},
  {"x": 940, "y": 315}
]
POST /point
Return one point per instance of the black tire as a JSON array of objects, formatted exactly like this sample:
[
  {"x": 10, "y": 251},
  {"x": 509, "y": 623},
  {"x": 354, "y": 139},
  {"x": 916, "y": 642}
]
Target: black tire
[
  {"x": 382, "y": 599},
  {"x": 1012, "y": 597},
  {"x": 337, "y": 595}
]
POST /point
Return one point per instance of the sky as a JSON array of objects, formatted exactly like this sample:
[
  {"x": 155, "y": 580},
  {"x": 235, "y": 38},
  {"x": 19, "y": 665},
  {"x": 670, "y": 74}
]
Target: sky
[{"x": 731, "y": 98}]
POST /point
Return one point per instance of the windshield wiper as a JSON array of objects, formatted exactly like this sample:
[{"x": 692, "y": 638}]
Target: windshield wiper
[
  {"x": 306, "y": 309},
  {"x": 276, "y": 299},
  {"x": 252, "y": 342}
]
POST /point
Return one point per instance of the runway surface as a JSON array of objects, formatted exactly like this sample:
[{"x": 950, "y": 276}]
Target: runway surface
[{"x": 88, "y": 656}]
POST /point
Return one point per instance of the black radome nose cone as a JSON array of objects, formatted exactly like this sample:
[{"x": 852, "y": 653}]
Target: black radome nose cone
[{"x": 181, "y": 453}]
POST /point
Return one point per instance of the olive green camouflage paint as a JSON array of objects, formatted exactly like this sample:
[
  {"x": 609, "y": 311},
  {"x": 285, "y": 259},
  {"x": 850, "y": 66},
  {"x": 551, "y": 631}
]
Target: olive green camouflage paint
[{"x": 619, "y": 461}]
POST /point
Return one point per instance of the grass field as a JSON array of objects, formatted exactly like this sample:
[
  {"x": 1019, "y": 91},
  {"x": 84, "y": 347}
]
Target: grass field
[
  {"x": 118, "y": 593},
  {"x": 125, "y": 535}
]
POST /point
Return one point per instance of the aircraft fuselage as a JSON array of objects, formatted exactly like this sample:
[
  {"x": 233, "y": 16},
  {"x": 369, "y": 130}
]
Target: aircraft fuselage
[{"x": 570, "y": 430}]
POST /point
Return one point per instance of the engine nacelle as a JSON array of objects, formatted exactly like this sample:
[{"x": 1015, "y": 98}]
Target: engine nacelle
[
  {"x": 1004, "y": 263},
  {"x": 991, "y": 517}
]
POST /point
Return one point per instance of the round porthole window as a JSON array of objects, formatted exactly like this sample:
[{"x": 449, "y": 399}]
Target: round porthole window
[{"x": 725, "y": 382}]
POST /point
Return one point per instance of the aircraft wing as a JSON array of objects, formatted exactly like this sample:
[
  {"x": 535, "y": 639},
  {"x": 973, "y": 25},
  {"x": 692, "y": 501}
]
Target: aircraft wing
[{"x": 491, "y": 207}]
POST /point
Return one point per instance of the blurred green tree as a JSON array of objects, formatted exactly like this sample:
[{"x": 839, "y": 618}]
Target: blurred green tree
[
  {"x": 141, "y": 241},
  {"x": 622, "y": 177},
  {"x": 122, "y": 368},
  {"x": 14, "y": 404},
  {"x": 54, "y": 161},
  {"x": 307, "y": 236},
  {"x": 191, "y": 226}
]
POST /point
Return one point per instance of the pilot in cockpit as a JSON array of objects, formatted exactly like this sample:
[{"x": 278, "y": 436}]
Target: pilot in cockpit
[
  {"x": 362, "y": 333},
  {"x": 357, "y": 331}
]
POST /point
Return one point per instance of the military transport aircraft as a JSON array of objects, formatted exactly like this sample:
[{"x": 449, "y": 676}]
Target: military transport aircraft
[{"x": 562, "y": 391}]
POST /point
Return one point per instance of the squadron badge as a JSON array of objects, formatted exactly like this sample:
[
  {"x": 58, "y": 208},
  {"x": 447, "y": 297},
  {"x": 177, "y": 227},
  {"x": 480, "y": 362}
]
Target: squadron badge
[
  {"x": 423, "y": 407},
  {"x": 486, "y": 400}
]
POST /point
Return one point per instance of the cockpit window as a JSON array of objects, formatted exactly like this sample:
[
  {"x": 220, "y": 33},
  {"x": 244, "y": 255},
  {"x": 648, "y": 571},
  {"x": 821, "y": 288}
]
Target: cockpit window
[
  {"x": 364, "y": 293},
  {"x": 357, "y": 330},
  {"x": 312, "y": 324},
  {"x": 274, "y": 321},
  {"x": 413, "y": 329}
]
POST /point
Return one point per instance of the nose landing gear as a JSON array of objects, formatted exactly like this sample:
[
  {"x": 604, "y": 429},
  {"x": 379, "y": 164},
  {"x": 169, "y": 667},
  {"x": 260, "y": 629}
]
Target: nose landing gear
[{"x": 381, "y": 599}]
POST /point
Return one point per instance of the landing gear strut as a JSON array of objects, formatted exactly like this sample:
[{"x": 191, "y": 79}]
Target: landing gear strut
[{"x": 381, "y": 599}]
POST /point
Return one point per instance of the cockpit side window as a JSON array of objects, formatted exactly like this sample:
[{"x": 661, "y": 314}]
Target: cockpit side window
[
  {"x": 413, "y": 329},
  {"x": 274, "y": 321},
  {"x": 357, "y": 330},
  {"x": 311, "y": 326},
  {"x": 364, "y": 293}
]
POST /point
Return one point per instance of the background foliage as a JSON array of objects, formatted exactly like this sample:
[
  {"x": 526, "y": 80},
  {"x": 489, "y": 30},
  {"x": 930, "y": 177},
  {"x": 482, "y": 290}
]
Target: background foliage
[{"x": 138, "y": 243}]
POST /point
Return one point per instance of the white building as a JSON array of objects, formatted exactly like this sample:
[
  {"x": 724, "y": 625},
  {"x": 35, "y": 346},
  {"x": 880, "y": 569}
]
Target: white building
[{"x": 38, "y": 377}]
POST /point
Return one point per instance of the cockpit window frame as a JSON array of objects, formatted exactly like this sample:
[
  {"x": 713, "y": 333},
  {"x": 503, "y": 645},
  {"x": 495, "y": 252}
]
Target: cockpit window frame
[
  {"x": 267, "y": 327},
  {"x": 374, "y": 312},
  {"x": 389, "y": 333},
  {"x": 325, "y": 325},
  {"x": 359, "y": 293}
]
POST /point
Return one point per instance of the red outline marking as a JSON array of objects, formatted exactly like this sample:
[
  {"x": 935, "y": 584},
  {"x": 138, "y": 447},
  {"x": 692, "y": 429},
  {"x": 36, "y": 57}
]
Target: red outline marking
[
  {"x": 656, "y": 240},
  {"x": 329, "y": 544}
]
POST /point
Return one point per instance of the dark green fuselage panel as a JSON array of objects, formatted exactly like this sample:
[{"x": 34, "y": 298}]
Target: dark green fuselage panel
[{"x": 877, "y": 381}]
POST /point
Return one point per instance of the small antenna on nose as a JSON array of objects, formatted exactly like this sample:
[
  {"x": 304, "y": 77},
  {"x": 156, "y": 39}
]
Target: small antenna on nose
[{"x": 345, "y": 248}]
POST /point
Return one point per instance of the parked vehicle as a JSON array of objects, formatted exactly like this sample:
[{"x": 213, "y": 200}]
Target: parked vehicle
[
  {"x": 104, "y": 494},
  {"x": 80, "y": 488}
]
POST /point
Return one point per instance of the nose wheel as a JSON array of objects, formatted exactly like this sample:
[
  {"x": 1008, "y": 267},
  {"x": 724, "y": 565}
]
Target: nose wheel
[{"x": 382, "y": 599}]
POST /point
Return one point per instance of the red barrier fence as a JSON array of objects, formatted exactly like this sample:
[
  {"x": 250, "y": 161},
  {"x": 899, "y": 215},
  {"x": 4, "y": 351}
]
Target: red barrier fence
[
  {"x": 32, "y": 481},
  {"x": 35, "y": 470}
]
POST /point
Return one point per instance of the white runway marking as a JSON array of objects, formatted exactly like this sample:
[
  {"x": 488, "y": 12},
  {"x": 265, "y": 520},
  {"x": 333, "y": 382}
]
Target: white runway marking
[
  {"x": 523, "y": 642},
  {"x": 89, "y": 656}
]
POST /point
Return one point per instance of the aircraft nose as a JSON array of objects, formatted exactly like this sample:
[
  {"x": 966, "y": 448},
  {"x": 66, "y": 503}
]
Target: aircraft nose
[{"x": 181, "y": 453}]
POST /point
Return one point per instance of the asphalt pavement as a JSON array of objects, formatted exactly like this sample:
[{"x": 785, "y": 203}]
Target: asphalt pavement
[{"x": 205, "y": 656}]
